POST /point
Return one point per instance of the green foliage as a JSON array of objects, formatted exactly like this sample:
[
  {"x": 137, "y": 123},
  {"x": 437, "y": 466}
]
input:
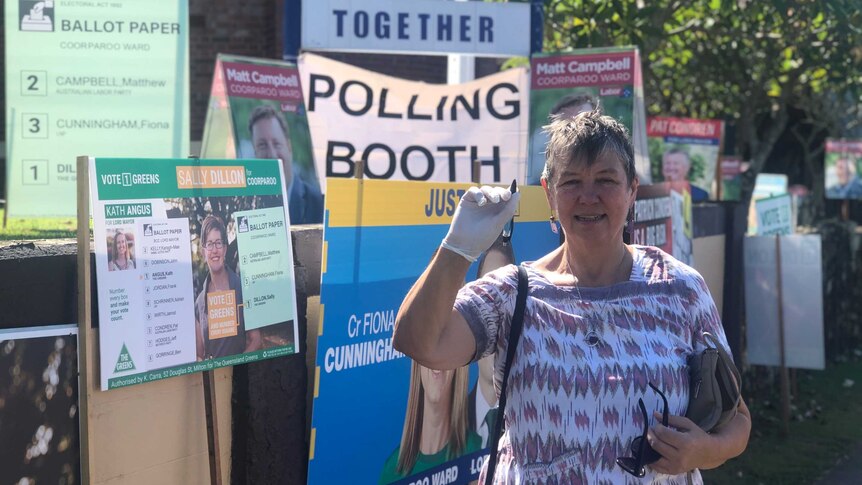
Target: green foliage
[
  {"x": 826, "y": 421},
  {"x": 743, "y": 61},
  {"x": 655, "y": 147},
  {"x": 37, "y": 228}
]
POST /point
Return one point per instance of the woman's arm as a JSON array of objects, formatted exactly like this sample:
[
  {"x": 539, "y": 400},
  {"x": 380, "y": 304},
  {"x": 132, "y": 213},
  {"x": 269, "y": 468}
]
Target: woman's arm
[
  {"x": 688, "y": 447},
  {"x": 427, "y": 327}
]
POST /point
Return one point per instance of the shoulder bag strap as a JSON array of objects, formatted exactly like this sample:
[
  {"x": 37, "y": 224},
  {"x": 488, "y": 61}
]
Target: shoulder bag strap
[{"x": 514, "y": 337}]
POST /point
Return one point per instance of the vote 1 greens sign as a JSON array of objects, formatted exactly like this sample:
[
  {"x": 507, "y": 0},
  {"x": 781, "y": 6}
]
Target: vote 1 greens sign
[
  {"x": 94, "y": 77},
  {"x": 194, "y": 266}
]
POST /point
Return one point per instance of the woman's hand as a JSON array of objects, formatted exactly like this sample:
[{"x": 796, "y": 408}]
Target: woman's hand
[
  {"x": 682, "y": 445},
  {"x": 479, "y": 219}
]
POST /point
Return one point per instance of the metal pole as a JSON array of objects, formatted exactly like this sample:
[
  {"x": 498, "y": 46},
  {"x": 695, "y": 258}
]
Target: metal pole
[{"x": 785, "y": 381}]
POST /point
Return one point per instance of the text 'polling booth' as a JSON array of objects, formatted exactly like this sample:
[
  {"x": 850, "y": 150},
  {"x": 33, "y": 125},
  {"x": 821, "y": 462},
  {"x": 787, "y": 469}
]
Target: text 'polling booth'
[
  {"x": 406, "y": 130},
  {"x": 194, "y": 266},
  {"x": 371, "y": 401},
  {"x": 104, "y": 78}
]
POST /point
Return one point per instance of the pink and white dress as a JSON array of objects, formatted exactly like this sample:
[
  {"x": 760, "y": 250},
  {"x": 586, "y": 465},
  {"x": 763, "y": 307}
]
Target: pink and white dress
[{"x": 582, "y": 364}]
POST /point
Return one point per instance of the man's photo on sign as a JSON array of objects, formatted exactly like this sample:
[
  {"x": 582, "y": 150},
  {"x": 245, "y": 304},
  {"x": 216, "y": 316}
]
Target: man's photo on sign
[
  {"x": 842, "y": 176},
  {"x": 269, "y": 132}
]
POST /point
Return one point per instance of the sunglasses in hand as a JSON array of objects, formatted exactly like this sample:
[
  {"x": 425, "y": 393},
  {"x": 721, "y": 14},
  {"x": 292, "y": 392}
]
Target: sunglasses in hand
[{"x": 642, "y": 453}]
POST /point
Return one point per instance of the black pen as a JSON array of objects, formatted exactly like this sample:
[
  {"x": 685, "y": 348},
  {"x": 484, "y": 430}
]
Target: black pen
[{"x": 506, "y": 235}]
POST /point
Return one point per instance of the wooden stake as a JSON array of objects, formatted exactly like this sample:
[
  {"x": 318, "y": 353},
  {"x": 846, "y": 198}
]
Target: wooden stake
[
  {"x": 212, "y": 427},
  {"x": 476, "y": 172},
  {"x": 359, "y": 170},
  {"x": 785, "y": 384},
  {"x": 85, "y": 334},
  {"x": 845, "y": 210}
]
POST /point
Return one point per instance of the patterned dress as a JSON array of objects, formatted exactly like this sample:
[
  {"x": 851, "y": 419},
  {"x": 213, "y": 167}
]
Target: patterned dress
[{"x": 581, "y": 366}]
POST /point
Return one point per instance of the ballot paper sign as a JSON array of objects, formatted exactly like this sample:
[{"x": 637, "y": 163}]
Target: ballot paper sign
[
  {"x": 194, "y": 266},
  {"x": 92, "y": 77}
]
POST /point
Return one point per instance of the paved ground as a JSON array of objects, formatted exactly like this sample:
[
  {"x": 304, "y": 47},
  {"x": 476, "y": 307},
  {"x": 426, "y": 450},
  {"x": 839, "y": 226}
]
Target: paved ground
[{"x": 848, "y": 471}]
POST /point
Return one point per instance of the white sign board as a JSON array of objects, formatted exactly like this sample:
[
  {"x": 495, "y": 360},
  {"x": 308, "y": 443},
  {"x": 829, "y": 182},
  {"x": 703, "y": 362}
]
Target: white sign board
[
  {"x": 427, "y": 26},
  {"x": 407, "y": 130},
  {"x": 774, "y": 216},
  {"x": 802, "y": 302}
]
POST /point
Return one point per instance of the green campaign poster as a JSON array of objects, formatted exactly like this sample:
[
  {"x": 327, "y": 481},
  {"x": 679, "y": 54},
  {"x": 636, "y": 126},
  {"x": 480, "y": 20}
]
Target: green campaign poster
[
  {"x": 268, "y": 271},
  {"x": 194, "y": 266},
  {"x": 99, "y": 78}
]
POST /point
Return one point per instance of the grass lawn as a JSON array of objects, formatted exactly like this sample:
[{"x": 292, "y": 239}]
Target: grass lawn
[
  {"x": 827, "y": 421},
  {"x": 37, "y": 228}
]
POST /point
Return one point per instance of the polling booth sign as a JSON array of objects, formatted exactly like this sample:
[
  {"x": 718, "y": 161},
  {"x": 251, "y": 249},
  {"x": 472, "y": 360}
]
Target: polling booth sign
[
  {"x": 406, "y": 130},
  {"x": 194, "y": 265},
  {"x": 105, "y": 78},
  {"x": 378, "y": 237}
]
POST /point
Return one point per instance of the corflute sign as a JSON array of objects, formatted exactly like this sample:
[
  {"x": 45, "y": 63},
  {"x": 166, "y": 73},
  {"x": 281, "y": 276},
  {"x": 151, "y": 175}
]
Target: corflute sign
[{"x": 431, "y": 26}]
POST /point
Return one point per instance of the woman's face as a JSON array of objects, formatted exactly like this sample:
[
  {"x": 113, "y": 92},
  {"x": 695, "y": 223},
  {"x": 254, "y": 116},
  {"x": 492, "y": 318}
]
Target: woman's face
[
  {"x": 592, "y": 202},
  {"x": 437, "y": 384},
  {"x": 122, "y": 246},
  {"x": 214, "y": 250}
]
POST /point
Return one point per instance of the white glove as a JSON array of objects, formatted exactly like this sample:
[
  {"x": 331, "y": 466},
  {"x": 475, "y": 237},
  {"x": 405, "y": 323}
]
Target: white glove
[{"x": 479, "y": 219}]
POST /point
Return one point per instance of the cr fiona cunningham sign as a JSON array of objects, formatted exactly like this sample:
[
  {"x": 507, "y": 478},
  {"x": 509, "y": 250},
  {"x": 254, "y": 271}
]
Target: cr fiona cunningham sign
[{"x": 432, "y": 26}]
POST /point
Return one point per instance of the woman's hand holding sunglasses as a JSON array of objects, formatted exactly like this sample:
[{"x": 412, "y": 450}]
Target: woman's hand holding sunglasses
[{"x": 682, "y": 445}]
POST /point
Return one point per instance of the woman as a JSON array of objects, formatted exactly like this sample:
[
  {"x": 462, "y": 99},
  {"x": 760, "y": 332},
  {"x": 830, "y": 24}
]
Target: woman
[
  {"x": 483, "y": 397},
  {"x": 435, "y": 424},
  {"x": 603, "y": 320},
  {"x": 220, "y": 278},
  {"x": 122, "y": 256}
]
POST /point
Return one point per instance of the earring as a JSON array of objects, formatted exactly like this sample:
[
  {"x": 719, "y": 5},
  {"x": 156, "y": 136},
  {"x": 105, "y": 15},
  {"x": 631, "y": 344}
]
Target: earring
[{"x": 554, "y": 225}]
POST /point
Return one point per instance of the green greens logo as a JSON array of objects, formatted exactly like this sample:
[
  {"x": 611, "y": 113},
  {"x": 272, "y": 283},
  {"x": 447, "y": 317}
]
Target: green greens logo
[{"x": 124, "y": 362}]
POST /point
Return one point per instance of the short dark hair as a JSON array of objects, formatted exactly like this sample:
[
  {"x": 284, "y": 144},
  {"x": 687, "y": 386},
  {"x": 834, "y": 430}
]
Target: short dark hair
[
  {"x": 573, "y": 100},
  {"x": 212, "y": 222},
  {"x": 585, "y": 138},
  {"x": 264, "y": 112}
]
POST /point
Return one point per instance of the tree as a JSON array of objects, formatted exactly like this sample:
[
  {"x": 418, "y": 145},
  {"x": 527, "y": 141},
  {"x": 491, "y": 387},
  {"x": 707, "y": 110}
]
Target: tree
[{"x": 745, "y": 61}]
